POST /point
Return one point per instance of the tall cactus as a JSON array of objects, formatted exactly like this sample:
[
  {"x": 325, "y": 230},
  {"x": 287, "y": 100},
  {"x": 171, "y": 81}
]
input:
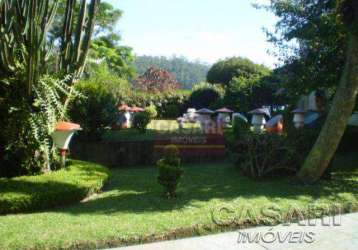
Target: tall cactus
[
  {"x": 23, "y": 37},
  {"x": 23, "y": 28},
  {"x": 75, "y": 43}
]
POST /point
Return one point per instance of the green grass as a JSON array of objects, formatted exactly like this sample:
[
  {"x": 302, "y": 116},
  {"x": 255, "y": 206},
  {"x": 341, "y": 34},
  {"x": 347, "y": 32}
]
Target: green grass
[
  {"x": 131, "y": 208},
  {"x": 155, "y": 128},
  {"x": 69, "y": 185}
]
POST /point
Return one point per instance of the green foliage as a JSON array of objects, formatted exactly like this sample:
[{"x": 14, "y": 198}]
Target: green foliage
[
  {"x": 118, "y": 58},
  {"x": 96, "y": 110},
  {"x": 187, "y": 73},
  {"x": 172, "y": 111},
  {"x": 141, "y": 121},
  {"x": 32, "y": 102},
  {"x": 162, "y": 101},
  {"x": 267, "y": 155},
  {"x": 318, "y": 59},
  {"x": 27, "y": 128},
  {"x": 205, "y": 95},
  {"x": 245, "y": 94},
  {"x": 63, "y": 187},
  {"x": 152, "y": 111},
  {"x": 224, "y": 71},
  {"x": 170, "y": 171}
]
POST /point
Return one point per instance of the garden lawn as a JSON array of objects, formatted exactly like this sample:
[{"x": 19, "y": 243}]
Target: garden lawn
[{"x": 131, "y": 208}]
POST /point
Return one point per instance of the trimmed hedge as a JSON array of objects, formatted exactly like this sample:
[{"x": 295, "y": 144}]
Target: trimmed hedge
[{"x": 63, "y": 187}]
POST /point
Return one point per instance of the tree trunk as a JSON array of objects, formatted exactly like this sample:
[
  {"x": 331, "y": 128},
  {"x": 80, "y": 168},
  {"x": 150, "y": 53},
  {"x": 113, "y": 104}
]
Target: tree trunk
[{"x": 342, "y": 107}]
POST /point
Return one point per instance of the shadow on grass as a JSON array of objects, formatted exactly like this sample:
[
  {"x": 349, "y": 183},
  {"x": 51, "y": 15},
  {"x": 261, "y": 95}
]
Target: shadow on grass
[{"x": 137, "y": 191}]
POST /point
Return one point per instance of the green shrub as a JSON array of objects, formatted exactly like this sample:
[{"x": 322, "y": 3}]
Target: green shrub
[
  {"x": 266, "y": 155},
  {"x": 160, "y": 100},
  {"x": 235, "y": 139},
  {"x": 152, "y": 111},
  {"x": 27, "y": 123},
  {"x": 205, "y": 95},
  {"x": 95, "y": 111},
  {"x": 63, "y": 187},
  {"x": 172, "y": 111},
  {"x": 170, "y": 171},
  {"x": 141, "y": 121}
]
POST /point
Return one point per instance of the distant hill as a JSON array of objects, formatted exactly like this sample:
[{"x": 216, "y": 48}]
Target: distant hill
[{"x": 186, "y": 72}]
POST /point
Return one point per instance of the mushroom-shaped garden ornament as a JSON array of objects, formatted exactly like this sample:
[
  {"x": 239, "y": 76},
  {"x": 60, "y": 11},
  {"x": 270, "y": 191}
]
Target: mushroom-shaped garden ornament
[
  {"x": 224, "y": 116},
  {"x": 258, "y": 120},
  {"x": 204, "y": 118},
  {"x": 125, "y": 116},
  {"x": 62, "y": 136},
  {"x": 299, "y": 118}
]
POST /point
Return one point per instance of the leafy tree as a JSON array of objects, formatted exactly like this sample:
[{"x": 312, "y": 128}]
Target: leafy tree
[
  {"x": 245, "y": 94},
  {"x": 326, "y": 38},
  {"x": 343, "y": 102},
  {"x": 311, "y": 40},
  {"x": 118, "y": 58},
  {"x": 106, "y": 18},
  {"x": 156, "y": 80},
  {"x": 224, "y": 71},
  {"x": 186, "y": 72}
]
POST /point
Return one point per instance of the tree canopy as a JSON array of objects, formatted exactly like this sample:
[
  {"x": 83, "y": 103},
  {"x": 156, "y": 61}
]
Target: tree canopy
[
  {"x": 312, "y": 43},
  {"x": 156, "y": 80},
  {"x": 225, "y": 70},
  {"x": 186, "y": 72}
]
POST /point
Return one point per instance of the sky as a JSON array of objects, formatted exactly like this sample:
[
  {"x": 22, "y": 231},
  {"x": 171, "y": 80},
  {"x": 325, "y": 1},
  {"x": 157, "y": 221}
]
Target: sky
[{"x": 204, "y": 30}]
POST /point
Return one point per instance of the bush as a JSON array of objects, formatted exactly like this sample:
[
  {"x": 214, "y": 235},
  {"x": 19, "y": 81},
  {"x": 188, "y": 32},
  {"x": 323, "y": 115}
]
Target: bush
[
  {"x": 63, "y": 187},
  {"x": 141, "y": 121},
  {"x": 95, "y": 111},
  {"x": 160, "y": 100},
  {"x": 170, "y": 171},
  {"x": 152, "y": 111},
  {"x": 261, "y": 155},
  {"x": 205, "y": 95},
  {"x": 172, "y": 111},
  {"x": 25, "y": 143},
  {"x": 267, "y": 155}
]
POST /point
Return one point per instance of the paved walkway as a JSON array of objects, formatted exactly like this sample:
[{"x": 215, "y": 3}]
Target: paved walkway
[{"x": 338, "y": 234}]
